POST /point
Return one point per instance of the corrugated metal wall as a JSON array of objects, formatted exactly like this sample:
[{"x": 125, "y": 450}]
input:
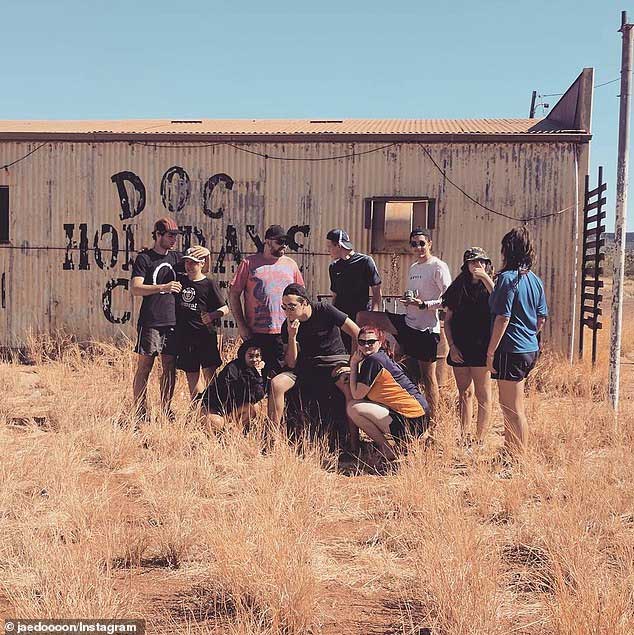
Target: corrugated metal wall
[{"x": 71, "y": 184}]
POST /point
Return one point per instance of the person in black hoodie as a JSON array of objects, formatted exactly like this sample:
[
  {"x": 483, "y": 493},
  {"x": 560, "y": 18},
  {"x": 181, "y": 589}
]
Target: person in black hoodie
[{"x": 237, "y": 388}]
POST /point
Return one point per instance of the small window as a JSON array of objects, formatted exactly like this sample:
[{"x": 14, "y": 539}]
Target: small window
[
  {"x": 4, "y": 214},
  {"x": 392, "y": 219}
]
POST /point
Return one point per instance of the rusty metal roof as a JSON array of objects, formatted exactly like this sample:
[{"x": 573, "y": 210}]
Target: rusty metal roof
[{"x": 259, "y": 128}]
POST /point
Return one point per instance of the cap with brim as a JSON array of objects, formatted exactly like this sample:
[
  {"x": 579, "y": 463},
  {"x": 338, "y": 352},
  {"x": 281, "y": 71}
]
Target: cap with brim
[
  {"x": 189, "y": 256},
  {"x": 275, "y": 232},
  {"x": 166, "y": 224},
  {"x": 475, "y": 253},
  {"x": 340, "y": 237},
  {"x": 296, "y": 289}
]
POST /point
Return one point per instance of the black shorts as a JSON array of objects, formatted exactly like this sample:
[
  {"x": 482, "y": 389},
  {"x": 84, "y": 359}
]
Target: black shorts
[
  {"x": 401, "y": 426},
  {"x": 152, "y": 341},
  {"x": 421, "y": 345},
  {"x": 318, "y": 375},
  {"x": 199, "y": 353},
  {"x": 272, "y": 349},
  {"x": 513, "y": 366},
  {"x": 472, "y": 358}
]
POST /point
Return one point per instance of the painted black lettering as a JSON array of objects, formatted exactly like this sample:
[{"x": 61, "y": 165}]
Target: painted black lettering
[
  {"x": 255, "y": 239},
  {"x": 176, "y": 188},
  {"x": 83, "y": 247},
  {"x": 208, "y": 190},
  {"x": 106, "y": 300},
  {"x": 293, "y": 231},
  {"x": 230, "y": 247},
  {"x": 138, "y": 195},
  {"x": 69, "y": 228},
  {"x": 106, "y": 228},
  {"x": 4, "y": 290},
  {"x": 129, "y": 247}
]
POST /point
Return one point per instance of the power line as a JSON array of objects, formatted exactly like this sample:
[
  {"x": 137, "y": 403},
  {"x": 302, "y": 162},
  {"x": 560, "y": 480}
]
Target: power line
[
  {"x": 612, "y": 81},
  {"x": 342, "y": 156},
  {"x": 8, "y": 165},
  {"x": 490, "y": 209}
]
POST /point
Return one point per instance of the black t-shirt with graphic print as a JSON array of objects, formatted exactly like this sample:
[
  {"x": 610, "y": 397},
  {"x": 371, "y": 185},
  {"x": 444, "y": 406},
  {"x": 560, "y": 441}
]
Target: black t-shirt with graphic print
[
  {"x": 196, "y": 298},
  {"x": 319, "y": 335},
  {"x": 157, "y": 310}
]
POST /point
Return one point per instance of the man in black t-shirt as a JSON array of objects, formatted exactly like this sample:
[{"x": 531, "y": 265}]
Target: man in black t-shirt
[
  {"x": 352, "y": 277},
  {"x": 198, "y": 305},
  {"x": 314, "y": 350},
  {"x": 154, "y": 279}
]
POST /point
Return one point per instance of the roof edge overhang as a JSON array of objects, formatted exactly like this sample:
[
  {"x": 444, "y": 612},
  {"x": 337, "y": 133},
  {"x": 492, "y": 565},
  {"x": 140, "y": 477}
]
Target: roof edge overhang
[{"x": 572, "y": 136}]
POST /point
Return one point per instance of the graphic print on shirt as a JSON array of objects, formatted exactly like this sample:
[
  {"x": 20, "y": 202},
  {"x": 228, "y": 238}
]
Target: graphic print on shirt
[
  {"x": 168, "y": 276},
  {"x": 188, "y": 294},
  {"x": 267, "y": 292}
]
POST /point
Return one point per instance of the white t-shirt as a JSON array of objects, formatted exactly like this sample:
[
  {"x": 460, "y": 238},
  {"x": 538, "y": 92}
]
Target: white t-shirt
[{"x": 431, "y": 279}]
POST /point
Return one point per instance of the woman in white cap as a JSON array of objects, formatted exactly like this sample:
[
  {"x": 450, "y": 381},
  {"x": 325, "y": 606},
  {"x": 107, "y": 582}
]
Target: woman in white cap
[{"x": 468, "y": 330}]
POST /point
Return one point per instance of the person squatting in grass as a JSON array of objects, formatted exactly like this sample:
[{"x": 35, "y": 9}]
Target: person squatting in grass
[
  {"x": 198, "y": 304},
  {"x": 154, "y": 280},
  {"x": 518, "y": 304},
  {"x": 237, "y": 390},
  {"x": 385, "y": 401},
  {"x": 315, "y": 354},
  {"x": 418, "y": 331},
  {"x": 468, "y": 331}
]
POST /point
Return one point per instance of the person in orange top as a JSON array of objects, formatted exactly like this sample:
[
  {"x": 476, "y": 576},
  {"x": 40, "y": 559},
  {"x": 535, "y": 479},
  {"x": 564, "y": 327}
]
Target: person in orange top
[{"x": 385, "y": 400}]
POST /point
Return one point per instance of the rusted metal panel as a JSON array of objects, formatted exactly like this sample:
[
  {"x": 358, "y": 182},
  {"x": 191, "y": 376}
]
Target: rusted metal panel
[{"x": 69, "y": 201}]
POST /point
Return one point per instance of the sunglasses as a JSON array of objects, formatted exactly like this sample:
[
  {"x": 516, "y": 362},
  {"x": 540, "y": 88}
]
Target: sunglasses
[
  {"x": 289, "y": 307},
  {"x": 418, "y": 243},
  {"x": 367, "y": 342},
  {"x": 280, "y": 241}
]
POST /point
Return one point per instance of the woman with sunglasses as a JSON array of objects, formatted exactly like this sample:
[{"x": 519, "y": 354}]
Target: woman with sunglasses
[
  {"x": 385, "y": 401},
  {"x": 518, "y": 303},
  {"x": 468, "y": 330}
]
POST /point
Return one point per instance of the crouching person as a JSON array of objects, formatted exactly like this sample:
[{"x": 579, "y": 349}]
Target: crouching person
[
  {"x": 385, "y": 400},
  {"x": 237, "y": 390},
  {"x": 315, "y": 354}
]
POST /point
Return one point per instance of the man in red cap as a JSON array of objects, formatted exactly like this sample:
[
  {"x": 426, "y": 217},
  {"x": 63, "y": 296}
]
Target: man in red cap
[{"x": 154, "y": 280}]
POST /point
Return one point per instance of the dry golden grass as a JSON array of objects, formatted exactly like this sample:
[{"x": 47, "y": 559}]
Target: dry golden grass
[{"x": 201, "y": 534}]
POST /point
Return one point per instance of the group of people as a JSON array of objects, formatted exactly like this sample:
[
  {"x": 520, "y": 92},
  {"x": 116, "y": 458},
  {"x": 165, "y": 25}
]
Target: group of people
[{"x": 343, "y": 350}]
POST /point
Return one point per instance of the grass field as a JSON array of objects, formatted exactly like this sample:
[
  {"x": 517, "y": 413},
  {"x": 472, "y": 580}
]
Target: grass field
[{"x": 200, "y": 534}]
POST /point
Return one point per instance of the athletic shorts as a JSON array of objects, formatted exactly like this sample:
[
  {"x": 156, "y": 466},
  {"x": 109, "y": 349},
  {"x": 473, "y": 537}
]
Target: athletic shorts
[
  {"x": 513, "y": 366},
  {"x": 201, "y": 353},
  {"x": 156, "y": 341},
  {"x": 328, "y": 371},
  {"x": 401, "y": 426},
  {"x": 472, "y": 359},
  {"x": 421, "y": 345}
]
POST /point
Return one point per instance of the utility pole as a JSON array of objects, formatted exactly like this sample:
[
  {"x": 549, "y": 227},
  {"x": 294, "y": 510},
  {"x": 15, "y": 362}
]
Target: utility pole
[
  {"x": 621, "y": 212},
  {"x": 531, "y": 114}
]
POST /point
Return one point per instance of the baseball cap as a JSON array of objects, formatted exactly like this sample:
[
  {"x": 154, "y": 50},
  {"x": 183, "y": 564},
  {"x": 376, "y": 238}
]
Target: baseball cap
[
  {"x": 275, "y": 232},
  {"x": 189, "y": 256},
  {"x": 419, "y": 231},
  {"x": 296, "y": 289},
  {"x": 340, "y": 237},
  {"x": 166, "y": 224},
  {"x": 475, "y": 253}
]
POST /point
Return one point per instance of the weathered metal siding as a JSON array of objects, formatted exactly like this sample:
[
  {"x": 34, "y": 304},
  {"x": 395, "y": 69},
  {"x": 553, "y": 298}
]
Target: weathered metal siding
[{"x": 71, "y": 183}]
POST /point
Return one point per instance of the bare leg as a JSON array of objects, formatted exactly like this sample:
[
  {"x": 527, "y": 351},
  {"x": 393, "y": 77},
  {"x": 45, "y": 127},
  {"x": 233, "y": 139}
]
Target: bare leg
[
  {"x": 374, "y": 420},
  {"x": 430, "y": 385},
  {"x": 482, "y": 382},
  {"x": 139, "y": 385},
  {"x": 208, "y": 375},
  {"x": 214, "y": 422},
  {"x": 168, "y": 380},
  {"x": 465, "y": 392},
  {"x": 515, "y": 424},
  {"x": 193, "y": 382},
  {"x": 280, "y": 385}
]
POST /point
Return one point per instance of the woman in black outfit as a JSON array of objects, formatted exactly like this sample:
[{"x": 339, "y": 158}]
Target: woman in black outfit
[{"x": 468, "y": 330}]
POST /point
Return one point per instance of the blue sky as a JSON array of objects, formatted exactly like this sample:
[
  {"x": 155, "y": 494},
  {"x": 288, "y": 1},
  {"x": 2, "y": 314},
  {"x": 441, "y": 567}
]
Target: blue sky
[{"x": 217, "y": 59}]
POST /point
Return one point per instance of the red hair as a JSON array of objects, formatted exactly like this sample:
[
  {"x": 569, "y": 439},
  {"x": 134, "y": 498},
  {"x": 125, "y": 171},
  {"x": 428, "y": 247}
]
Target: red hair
[{"x": 380, "y": 335}]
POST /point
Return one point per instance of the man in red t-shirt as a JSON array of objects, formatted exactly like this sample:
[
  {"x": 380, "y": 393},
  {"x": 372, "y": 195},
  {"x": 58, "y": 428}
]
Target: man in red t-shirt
[{"x": 255, "y": 296}]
